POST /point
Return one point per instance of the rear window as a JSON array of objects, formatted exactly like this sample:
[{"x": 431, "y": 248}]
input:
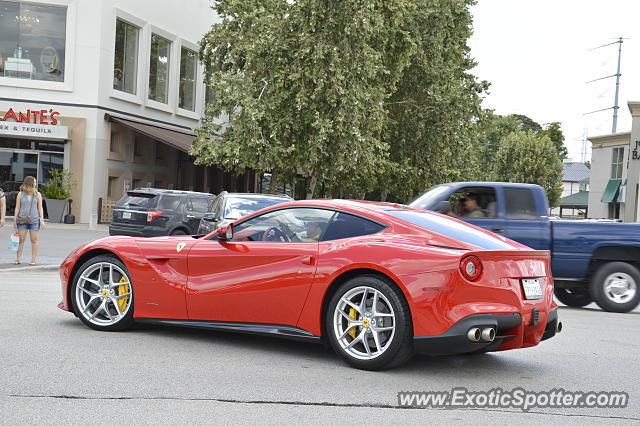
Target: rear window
[
  {"x": 346, "y": 225},
  {"x": 135, "y": 199},
  {"x": 520, "y": 203},
  {"x": 200, "y": 204},
  {"x": 452, "y": 229},
  {"x": 240, "y": 207}
]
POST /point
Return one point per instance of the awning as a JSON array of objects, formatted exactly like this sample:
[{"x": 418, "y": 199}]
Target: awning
[
  {"x": 575, "y": 200},
  {"x": 179, "y": 140},
  {"x": 611, "y": 191}
]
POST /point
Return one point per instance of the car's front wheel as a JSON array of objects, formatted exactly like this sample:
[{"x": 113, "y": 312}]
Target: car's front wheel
[
  {"x": 368, "y": 323},
  {"x": 615, "y": 287},
  {"x": 102, "y": 294}
]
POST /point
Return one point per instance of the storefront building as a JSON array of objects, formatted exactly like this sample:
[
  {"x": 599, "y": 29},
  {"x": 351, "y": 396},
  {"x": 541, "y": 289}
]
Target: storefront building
[
  {"x": 615, "y": 173},
  {"x": 109, "y": 90}
]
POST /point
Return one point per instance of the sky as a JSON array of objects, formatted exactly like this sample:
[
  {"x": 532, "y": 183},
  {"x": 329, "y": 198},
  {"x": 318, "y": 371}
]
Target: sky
[{"x": 537, "y": 56}]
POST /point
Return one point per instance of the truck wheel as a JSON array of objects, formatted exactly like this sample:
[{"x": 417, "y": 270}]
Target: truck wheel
[
  {"x": 614, "y": 287},
  {"x": 576, "y": 297}
]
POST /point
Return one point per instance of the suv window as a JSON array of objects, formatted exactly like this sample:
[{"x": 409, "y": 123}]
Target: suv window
[
  {"x": 346, "y": 225},
  {"x": 520, "y": 203},
  {"x": 168, "y": 202},
  {"x": 199, "y": 204}
]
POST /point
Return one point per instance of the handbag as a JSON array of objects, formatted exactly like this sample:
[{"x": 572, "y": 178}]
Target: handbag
[
  {"x": 26, "y": 220},
  {"x": 14, "y": 242}
]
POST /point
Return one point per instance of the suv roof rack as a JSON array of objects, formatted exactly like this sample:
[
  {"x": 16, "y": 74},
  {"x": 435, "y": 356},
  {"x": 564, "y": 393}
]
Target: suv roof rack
[{"x": 170, "y": 191}]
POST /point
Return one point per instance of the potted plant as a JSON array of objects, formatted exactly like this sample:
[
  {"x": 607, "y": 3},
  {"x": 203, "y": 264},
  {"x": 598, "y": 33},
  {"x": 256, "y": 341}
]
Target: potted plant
[{"x": 56, "y": 191}]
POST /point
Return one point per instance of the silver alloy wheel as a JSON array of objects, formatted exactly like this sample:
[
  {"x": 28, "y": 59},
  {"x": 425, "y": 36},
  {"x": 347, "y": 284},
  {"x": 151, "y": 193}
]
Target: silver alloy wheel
[
  {"x": 620, "y": 287},
  {"x": 103, "y": 294},
  {"x": 364, "y": 323}
]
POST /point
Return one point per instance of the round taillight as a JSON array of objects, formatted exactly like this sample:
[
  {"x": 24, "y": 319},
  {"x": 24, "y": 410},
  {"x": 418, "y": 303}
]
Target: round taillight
[{"x": 471, "y": 268}]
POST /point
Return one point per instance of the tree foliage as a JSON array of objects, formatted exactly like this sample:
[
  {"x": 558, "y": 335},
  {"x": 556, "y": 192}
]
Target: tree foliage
[
  {"x": 431, "y": 132},
  {"x": 303, "y": 85},
  {"x": 530, "y": 158}
]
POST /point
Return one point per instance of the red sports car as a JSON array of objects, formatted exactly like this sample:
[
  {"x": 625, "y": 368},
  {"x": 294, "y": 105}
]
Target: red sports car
[{"x": 376, "y": 281}]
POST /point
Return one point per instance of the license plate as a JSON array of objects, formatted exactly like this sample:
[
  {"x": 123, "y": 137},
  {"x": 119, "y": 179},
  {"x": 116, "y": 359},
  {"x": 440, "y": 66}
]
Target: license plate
[
  {"x": 532, "y": 289},
  {"x": 126, "y": 215}
]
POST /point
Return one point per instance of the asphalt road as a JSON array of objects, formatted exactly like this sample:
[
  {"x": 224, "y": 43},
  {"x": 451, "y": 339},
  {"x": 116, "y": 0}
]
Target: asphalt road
[{"x": 57, "y": 371}]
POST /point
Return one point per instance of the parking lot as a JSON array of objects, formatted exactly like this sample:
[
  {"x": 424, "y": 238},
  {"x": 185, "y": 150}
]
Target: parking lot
[{"x": 56, "y": 370}]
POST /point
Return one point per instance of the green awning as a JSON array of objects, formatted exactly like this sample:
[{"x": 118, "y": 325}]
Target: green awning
[{"x": 610, "y": 194}]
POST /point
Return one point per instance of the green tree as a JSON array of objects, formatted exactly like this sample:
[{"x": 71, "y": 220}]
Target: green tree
[
  {"x": 302, "y": 87},
  {"x": 554, "y": 131},
  {"x": 431, "y": 130},
  {"x": 529, "y": 158}
]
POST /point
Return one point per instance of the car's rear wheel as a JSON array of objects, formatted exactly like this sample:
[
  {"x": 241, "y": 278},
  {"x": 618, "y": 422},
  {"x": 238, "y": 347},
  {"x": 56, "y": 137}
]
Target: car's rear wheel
[
  {"x": 102, "y": 294},
  {"x": 576, "y": 297},
  {"x": 368, "y": 323},
  {"x": 615, "y": 287}
]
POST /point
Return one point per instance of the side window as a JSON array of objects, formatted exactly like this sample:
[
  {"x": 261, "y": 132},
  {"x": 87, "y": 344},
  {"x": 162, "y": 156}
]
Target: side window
[
  {"x": 520, "y": 203},
  {"x": 346, "y": 225},
  {"x": 298, "y": 225},
  {"x": 199, "y": 204},
  {"x": 474, "y": 203},
  {"x": 168, "y": 202}
]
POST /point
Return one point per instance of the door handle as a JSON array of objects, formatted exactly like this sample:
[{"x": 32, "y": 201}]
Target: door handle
[
  {"x": 307, "y": 260},
  {"x": 497, "y": 230},
  {"x": 190, "y": 216}
]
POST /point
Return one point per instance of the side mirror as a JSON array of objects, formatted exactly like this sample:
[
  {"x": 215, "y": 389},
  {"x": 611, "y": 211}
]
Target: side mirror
[
  {"x": 209, "y": 217},
  {"x": 443, "y": 207},
  {"x": 225, "y": 233}
]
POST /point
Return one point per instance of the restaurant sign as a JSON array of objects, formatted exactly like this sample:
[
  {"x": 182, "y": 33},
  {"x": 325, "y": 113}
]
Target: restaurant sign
[{"x": 33, "y": 123}]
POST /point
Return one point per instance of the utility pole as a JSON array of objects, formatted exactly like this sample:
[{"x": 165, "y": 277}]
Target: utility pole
[
  {"x": 616, "y": 107},
  {"x": 615, "y": 104}
]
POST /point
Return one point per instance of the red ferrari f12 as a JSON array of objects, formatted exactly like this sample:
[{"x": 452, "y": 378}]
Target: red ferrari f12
[{"x": 375, "y": 281}]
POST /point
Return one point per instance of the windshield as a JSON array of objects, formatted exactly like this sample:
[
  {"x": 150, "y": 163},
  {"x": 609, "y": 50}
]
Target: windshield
[
  {"x": 240, "y": 207},
  {"x": 429, "y": 198},
  {"x": 452, "y": 229}
]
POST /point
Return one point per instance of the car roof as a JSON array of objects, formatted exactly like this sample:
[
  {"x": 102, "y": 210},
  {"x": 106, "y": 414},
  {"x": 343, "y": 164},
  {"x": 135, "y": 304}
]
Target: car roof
[
  {"x": 158, "y": 191},
  {"x": 254, "y": 195},
  {"x": 489, "y": 184}
]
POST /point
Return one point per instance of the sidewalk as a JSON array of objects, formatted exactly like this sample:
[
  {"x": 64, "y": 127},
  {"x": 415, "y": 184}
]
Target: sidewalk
[{"x": 57, "y": 240}]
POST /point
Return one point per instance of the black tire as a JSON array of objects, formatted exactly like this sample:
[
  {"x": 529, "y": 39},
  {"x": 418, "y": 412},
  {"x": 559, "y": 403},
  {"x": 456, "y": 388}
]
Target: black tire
[
  {"x": 178, "y": 232},
  {"x": 126, "y": 321},
  {"x": 400, "y": 348},
  {"x": 607, "y": 272},
  {"x": 575, "y": 297}
]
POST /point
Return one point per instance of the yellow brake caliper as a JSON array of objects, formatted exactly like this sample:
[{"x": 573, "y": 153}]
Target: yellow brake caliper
[
  {"x": 123, "y": 289},
  {"x": 353, "y": 314}
]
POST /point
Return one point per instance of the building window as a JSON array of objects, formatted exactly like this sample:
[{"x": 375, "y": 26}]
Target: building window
[
  {"x": 32, "y": 41},
  {"x": 614, "y": 210},
  {"x": 159, "y": 68},
  {"x": 138, "y": 183},
  {"x": 137, "y": 147},
  {"x": 616, "y": 163},
  {"x": 111, "y": 186},
  {"x": 188, "y": 69},
  {"x": 125, "y": 64},
  {"x": 113, "y": 143}
]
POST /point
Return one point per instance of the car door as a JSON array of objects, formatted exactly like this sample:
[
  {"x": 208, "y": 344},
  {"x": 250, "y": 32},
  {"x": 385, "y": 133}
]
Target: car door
[
  {"x": 524, "y": 222},
  {"x": 196, "y": 208},
  {"x": 261, "y": 275}
]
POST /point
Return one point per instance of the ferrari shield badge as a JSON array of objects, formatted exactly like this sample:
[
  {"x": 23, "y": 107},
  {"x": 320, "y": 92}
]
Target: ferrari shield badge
[{"x": 180, "y": 246}]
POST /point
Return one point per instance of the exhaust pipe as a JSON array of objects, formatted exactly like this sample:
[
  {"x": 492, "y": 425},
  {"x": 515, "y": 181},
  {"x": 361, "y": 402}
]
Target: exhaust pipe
[
  {"x": 488, "y": 334},
  {"x": 559, "y": 327},
  {"x": 474, "y": 334}
]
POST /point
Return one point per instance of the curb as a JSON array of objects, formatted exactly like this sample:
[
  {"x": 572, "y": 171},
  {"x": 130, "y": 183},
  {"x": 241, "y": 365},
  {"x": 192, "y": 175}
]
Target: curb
[{"x": 37, "y": 268}]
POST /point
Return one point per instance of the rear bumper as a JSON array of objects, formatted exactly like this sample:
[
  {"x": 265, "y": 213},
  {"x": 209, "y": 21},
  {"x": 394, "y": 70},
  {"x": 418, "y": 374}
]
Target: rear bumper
[
  {"x": 510, "y": 330},
  {"x": 136, "y": 230}
]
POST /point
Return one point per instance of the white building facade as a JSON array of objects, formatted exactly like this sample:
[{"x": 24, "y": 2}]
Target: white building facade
[
  {"x": 615, "y": 173},
  {"x": 110, "y": 90}
]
